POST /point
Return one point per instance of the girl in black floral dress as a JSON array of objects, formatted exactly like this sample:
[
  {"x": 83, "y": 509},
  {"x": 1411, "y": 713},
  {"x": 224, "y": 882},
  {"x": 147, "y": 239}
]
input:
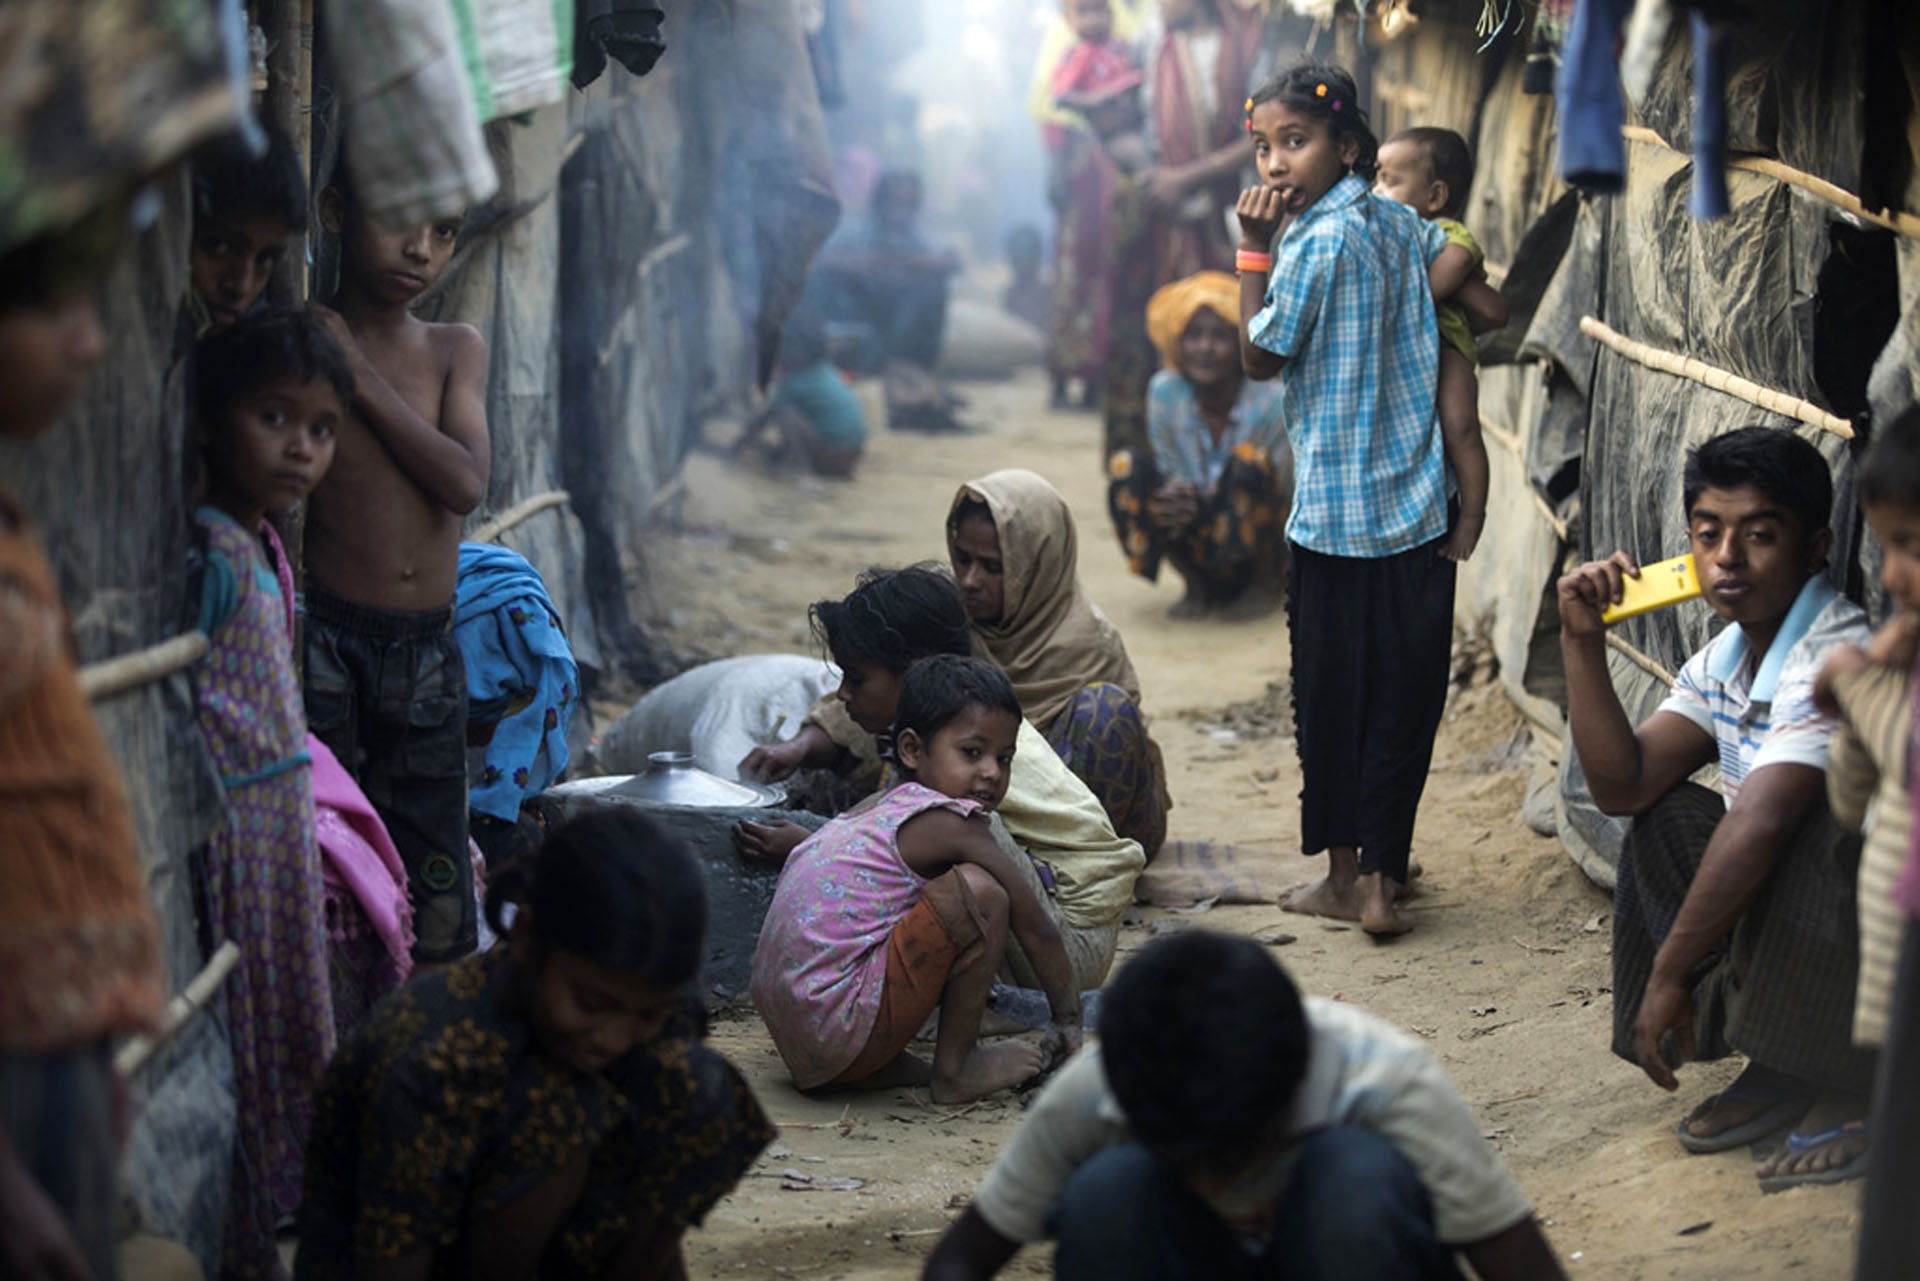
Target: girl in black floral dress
[{"x": 546, "y": 1108}]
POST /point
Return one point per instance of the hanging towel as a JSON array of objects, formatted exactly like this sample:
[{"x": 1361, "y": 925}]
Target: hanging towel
[
  {"x": 412, "y": 130},
  {"x": 518, "y": 53},
  {"x": 1709, "y": 198},
  {"x": 358, "y": 857},
  {"x": 520, "y": 673},
  {"x": 1593, "y": 155}
]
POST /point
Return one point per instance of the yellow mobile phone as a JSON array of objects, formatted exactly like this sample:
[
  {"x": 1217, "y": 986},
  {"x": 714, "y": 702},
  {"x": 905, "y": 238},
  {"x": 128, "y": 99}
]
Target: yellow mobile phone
[{"x": 1667, "y": 583}]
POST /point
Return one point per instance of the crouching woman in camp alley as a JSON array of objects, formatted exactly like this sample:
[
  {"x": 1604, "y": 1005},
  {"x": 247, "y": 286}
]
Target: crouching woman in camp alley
[
  {"x": 546, "y": 1107},
  {"x": 904, "y": 906},
  {"x": 1016, "y": 557},
  {"x": 1065, "y": 843},
  {"x": 272, "y": 388},
  {"x": 1212, "y": 491}
]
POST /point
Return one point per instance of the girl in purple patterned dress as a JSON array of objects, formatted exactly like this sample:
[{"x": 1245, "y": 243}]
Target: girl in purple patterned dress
[{"x": 271, "y": 391}]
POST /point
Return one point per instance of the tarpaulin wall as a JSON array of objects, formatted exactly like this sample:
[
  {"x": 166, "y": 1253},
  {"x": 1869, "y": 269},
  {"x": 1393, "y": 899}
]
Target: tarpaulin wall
[{"x": 631, "y": 277}]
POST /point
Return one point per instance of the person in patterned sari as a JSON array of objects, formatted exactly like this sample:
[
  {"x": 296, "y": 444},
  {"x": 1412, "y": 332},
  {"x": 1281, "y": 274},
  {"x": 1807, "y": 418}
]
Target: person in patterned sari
[
  {"x": 1212, "y": 491},
  {"x": 546, "y": 1108},
  {"x": 1016, "y": 557}
]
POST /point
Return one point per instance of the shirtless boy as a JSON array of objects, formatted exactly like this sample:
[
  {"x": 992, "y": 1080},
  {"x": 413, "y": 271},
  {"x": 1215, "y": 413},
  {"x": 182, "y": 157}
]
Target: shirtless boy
[{"x": 385, "y": 686}]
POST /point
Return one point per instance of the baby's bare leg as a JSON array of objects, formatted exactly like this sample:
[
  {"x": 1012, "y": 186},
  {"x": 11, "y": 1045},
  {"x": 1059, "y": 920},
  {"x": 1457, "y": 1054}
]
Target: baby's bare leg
[{"x": 1459, "y": 405}]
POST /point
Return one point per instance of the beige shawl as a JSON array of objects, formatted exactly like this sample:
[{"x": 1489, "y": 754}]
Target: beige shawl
[{"x": 1051, "y": 639}]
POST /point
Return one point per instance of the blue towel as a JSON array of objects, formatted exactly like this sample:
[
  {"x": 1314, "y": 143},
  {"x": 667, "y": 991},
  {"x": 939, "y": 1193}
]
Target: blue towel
[
  {"x": 1592, "y": 108},
  {"x": 515, "y": 648}
]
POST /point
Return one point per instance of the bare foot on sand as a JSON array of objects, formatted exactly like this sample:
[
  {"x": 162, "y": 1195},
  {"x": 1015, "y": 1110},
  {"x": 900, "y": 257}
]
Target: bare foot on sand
[
  {"x": 1000, "y": 1066},
  {"x": 1378, "y": 915},
  {"x": 906, "y": 1069},
  {"x": 1325, "y": 897}
]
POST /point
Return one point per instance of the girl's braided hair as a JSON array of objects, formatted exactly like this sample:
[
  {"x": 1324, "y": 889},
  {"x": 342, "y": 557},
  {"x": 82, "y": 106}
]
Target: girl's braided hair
[{"x": 1324, "y": 92}]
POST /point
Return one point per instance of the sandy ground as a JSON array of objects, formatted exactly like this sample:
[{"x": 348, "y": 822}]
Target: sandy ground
[{"x": 1506, "y": 974}]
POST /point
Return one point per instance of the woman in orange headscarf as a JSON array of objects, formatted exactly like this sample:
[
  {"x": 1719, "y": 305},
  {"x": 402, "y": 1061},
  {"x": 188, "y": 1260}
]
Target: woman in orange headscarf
[{"x": 1213, "y": 492}]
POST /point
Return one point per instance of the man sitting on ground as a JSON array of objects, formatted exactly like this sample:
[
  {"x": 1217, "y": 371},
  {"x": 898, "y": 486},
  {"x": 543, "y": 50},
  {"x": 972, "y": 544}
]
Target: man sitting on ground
[
  {"x": 1734, "y": 927},
  {"x": 1225, "y": 1128}
]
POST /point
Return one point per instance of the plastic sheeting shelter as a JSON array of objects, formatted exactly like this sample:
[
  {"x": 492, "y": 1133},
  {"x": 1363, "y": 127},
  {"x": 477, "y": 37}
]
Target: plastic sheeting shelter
[
  {"x": 1793, "y": 291},
  {"x": 607, "y": 279}
]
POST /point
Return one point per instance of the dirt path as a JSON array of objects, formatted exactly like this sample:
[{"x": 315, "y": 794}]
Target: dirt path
[{"x": 1506, "y": 973}]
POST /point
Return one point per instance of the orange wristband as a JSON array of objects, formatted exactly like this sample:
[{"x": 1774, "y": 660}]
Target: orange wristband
[{"x": 1248, "y": 260}]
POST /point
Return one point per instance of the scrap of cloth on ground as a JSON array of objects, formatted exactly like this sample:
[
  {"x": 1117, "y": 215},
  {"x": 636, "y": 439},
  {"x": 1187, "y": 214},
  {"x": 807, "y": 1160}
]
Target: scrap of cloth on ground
[
  {"x": 442, "y": 1110},
  {"x": 1360, "y": 1071},
  {"x": 520, "y": 675}
]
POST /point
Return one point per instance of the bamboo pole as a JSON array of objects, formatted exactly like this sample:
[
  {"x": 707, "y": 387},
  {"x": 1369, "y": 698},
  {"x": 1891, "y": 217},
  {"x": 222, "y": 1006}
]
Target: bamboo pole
[
  {"x": 117, "y": 675},
  {"x": 517, "y": 514},
  {"x": 181, "y": 1010},
  {"x": 1648, "y": 665},
  {"x": 1892, "y": 219},
  {"x": 1721, "y": 380}
]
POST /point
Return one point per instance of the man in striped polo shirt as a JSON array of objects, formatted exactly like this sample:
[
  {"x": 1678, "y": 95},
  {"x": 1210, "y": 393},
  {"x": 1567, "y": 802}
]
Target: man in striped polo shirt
[{"x": 1734, "y": 922}]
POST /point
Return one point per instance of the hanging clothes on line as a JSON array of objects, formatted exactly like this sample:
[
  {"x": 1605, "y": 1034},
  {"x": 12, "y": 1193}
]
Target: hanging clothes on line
[
  {"x": 412, "y": 127},
  {"x": 518, "y": 53}
]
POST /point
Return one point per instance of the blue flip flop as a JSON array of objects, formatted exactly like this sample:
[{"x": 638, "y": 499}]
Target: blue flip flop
[
  {"x": 1798, "y": 1143},
  {"x": 1785, "y": 1110}
]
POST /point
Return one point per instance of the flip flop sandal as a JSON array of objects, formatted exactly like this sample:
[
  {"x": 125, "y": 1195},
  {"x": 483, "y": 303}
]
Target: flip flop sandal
[
  {"x": 1798, "y": 1143},
  {"x": 1786, "y": 1109}
]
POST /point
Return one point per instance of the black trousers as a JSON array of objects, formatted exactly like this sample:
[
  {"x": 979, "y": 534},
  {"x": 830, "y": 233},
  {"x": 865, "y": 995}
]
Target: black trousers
[
  {"x": 1893, "y": 1163},
  {"x": 1372, "y": 641},
  {"x": 387, "y": 693}
]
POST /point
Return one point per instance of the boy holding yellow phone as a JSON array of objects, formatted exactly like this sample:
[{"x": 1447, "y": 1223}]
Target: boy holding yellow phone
[{"x": 1734, "y": 918}]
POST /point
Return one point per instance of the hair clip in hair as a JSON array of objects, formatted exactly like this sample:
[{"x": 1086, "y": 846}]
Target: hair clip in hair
[
  {"x": 1249, "y": 106},
  {"x": 1320, "y": 91},
  {"x": 1336, "y": 104}
]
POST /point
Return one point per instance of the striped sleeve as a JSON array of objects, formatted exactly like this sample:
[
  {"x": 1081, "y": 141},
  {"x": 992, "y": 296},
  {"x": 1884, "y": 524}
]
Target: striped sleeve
[{"x": 1689, "y": 696}]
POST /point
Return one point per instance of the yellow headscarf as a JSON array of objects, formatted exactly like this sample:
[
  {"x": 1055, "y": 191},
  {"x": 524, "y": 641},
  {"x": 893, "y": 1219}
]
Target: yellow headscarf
[{"x": 1172, "y": 308}]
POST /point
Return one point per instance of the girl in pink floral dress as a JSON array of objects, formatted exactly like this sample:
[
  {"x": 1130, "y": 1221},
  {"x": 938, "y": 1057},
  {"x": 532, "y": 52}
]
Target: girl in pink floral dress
[{"x": 271, "y": 390}]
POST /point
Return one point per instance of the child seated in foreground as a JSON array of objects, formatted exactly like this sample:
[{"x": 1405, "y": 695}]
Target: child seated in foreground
[
  {"x": 385, "y": 687},
  {"x": 545, "y": 1108},
  {"x": 886, "y": 914},
  {"x": 1429, "y": 171},
  {"x": 1224, "y": 1127},
  {"x": 816, "y": 414},
  {"x": 272, "y": 389}
]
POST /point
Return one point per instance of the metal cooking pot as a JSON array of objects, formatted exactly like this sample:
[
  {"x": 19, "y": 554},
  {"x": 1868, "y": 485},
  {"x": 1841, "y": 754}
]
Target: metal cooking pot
[{"x": 671, "y": 778}]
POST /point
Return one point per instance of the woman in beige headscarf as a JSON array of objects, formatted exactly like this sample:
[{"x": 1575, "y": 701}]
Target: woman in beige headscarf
[{"x": 1016, "y": 557}]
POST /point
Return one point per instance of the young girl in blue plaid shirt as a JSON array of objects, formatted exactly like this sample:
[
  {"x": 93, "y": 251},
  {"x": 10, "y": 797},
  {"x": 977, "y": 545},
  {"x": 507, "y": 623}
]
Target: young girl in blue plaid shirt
[{"x": 1334, "y": 301}]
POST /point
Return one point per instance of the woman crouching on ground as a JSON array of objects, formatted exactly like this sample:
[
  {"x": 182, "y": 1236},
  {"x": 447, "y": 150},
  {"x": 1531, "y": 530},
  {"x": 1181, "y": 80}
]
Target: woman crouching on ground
[
  {"x": 1214, "y": 492},
  {"x": 545, "y": 1108},
  {"x": 1067, "y": 846},
  {"x": 1016, "y": 557}
]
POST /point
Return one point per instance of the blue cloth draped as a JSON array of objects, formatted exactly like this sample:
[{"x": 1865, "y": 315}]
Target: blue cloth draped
[{"x": 520, "y": 673}]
